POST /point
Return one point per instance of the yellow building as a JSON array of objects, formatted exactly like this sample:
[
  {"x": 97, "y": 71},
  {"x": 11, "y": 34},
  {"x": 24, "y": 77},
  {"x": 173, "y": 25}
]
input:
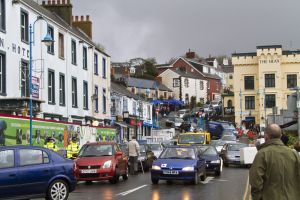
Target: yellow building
[{"x": 263, "y": 80}]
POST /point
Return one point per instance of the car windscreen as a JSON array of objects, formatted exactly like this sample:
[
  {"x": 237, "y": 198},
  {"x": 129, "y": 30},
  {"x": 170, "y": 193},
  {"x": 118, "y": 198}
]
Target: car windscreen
[
  {"x": 236, "y": 147},
  {"x": 191, "y": 139},
  {"x": 229, "y": 138},
  {"x": 210, "y": 151},
  {"x": 178, "y": 153},
  {"x": 178, "y": 120},
  {"x": 96, "y": 150},
  {"x": 156, "y": 147}
]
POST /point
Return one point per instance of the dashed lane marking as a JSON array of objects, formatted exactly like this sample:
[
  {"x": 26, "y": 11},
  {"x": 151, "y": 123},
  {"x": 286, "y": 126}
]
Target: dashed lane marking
[
  {"x": 130, "y": 191},
  {"x": 208, "y": 179}
]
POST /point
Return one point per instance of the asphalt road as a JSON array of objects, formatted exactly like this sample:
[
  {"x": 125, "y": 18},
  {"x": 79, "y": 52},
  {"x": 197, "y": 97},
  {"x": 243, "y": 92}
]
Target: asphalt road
[{"x": 230, "y": 185}]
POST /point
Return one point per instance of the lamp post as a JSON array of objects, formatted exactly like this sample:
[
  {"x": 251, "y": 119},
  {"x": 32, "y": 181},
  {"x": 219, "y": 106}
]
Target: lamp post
[
  {"x": 47, "y": 41},
  {"x": 241, "y": 105}
]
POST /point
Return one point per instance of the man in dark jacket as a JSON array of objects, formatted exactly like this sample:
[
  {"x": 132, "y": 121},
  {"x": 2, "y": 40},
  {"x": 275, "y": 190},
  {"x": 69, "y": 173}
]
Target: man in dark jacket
[{"x": 275, "y": 172}]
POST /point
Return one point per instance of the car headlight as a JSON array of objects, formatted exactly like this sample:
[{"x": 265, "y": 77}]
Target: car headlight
[
  {"x": 215, "y": 161},
  {"x": 155, "y": 167},
  {"x": 107, "y": 164},
  {"x": 188, "y": 169}
]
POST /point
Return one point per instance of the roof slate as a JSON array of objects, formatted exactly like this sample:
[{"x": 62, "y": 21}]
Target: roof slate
[{"x": 144, "y": 83}]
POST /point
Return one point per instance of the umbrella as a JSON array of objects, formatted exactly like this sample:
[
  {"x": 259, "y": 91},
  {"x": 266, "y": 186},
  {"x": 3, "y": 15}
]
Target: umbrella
[
  {"x": 174, "y": 102},
  {"x": 156, "y": 102}
]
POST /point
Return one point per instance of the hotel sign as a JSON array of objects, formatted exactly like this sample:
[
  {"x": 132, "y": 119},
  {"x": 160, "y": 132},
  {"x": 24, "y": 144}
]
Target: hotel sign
[{"x": 269, "y": 61}]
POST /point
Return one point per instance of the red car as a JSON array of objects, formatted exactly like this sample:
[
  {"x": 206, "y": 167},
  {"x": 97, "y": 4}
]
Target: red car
[{"x": 101, "y": 161}]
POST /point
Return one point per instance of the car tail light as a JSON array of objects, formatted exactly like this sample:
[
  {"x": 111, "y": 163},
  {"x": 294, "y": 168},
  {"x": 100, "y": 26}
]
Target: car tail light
[{"x": 74, "y": 168}]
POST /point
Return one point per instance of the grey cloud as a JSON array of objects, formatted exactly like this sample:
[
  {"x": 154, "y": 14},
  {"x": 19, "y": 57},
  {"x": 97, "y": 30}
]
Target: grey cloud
[{"x": 168, "y": 28}]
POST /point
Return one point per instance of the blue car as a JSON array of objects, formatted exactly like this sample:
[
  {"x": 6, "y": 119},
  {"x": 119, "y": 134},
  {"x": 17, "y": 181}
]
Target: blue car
[
  {"x": 179, "y": 163},
  {"x": 213, "y": 161},
  {"x": 28, "y": 172}
]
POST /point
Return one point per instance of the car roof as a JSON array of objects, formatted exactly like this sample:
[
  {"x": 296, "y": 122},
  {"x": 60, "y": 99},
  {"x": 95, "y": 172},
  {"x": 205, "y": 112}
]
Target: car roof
[
  {"x": 176, "y": 146},
  {"x": 100, "y": 143},
  {"x": 22, "y": 146}
]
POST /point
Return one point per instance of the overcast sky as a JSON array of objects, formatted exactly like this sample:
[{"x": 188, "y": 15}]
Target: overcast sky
[{"x": 164, "y": 29}]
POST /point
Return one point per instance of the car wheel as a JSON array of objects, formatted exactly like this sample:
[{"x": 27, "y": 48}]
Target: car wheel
[
  {"x": 218, "y": 172},
  {"x": 116, "y": 177},
  {"x": 154, "y": 181},
  {"x": 196, "y": 178},
  {"x": 203, "y": 177},
  {"x": 58, "y": 190},
  {"x": 125, "y": 176}
]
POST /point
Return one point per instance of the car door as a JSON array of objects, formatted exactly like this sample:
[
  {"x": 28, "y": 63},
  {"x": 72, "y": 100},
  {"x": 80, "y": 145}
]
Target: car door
[
  {"x": 34, "y": 171},
  {"x": 200, "y": 160},
  {"x": 8, "y": 174}
]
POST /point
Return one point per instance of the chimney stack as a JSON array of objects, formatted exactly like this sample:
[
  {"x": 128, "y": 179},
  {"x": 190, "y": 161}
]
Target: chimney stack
[
  {"x": 158, "y": 79},
  {"x": 62, "y": 8},
  {"x": 190, "y": 54},
  {"x": 85, "y": 24}
]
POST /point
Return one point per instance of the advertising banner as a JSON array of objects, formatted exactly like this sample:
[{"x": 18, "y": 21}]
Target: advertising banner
[{"x": 35, "y": 87}]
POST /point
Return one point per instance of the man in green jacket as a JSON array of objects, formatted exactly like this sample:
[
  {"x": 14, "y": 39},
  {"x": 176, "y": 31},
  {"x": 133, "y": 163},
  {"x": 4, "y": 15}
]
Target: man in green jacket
[{"x": 275, "y": 172}]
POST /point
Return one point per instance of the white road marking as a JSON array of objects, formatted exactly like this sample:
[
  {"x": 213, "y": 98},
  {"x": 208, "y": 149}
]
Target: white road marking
[
  {"x": 130, "y": 191},
  {"x": 208, "y": 179},
  {"x": 222, "y": 180},
  {"x": 246, "y": 190}
]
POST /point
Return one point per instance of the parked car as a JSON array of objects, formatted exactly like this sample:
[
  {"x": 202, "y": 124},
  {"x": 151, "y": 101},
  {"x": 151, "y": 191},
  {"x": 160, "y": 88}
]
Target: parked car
[
  {"x": 207, "y": 108},
  {"x": 174, "y": 122},
  {"x": 183, "y": 112},
  {"x": 146, "y": 157},
  {"x": 156, "y": 148},
  {"x": 34, "y": 172},
  {"x": 212, "y": 159},
  {"x": 231, "y": 153},
  {"x": 229, "y": 138},
  {"x": 218, "y": 144},
  {"x": 101, "y": 161},
  {"x": 179, "y": 163}
]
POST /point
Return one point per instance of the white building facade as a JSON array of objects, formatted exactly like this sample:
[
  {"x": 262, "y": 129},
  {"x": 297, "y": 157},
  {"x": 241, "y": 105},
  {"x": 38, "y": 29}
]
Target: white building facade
[
  {"x": 185, "y": 85},
  {"x": 71, "y": 78}
]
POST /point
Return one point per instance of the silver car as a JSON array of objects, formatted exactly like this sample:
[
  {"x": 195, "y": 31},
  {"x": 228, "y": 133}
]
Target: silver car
[{"x": 231, "y": 153}]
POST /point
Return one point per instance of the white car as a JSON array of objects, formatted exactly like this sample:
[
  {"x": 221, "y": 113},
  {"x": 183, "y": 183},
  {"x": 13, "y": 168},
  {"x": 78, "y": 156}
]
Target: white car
[{"x": 183, "y": 112}]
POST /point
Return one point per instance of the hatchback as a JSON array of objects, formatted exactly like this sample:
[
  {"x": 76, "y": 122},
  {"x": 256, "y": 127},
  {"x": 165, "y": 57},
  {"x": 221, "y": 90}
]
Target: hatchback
[
  {"x": 28, "y": 172},
  {"x": 101, "y": 161}
]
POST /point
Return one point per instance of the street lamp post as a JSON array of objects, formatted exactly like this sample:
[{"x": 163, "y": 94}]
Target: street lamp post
[
  {"x": 47, "y": 41},
  {"x": 241, "y": 105}
]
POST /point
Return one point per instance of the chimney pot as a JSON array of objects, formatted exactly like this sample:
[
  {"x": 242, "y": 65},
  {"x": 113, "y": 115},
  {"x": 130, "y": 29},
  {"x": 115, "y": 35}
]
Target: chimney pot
[
  {"x": 76, "y": 18},
  {"x": 43, "y": 3},
  {"x": 87, "y": 18},
  {"x": 53, "y": 2},
  {"x": 63, "y": 2},
  {"x": 58, "y": 2},
  {"x": 68, "y": 2},
  {"x": 49, "y": 2},
  {"x": 81, "y": 18}
]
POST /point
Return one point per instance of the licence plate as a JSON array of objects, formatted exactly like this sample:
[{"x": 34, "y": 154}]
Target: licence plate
[
  {"x": 171, "y": 172},
  {"x": 88, "y": 171}
]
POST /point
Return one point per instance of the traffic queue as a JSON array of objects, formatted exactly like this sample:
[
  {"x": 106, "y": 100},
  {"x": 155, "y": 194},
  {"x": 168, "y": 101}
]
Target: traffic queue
[{"x": 188, "y": 158}]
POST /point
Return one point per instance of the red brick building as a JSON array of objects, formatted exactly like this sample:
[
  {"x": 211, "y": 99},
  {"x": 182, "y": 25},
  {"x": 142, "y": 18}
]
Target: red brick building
[{"x": 190, "y": 64}]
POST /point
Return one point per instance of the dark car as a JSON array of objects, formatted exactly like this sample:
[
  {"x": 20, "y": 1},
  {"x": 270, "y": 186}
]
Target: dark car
[
  {"x": 146, "y": 157},
  {"x": 101, "y": 161},
  {"x": 179, "y": 163},
  {"x": 212, "y": 159},
  {"x": 28, "y": 172},
  {"x": 231, "y": 153}
]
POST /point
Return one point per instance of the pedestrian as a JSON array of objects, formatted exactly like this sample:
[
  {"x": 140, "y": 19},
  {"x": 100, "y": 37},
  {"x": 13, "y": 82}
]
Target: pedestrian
[
  {"x": 73, "y": 148},
  {"x": 297, "y": 147},
  {"x": 284, "y": 139},
  {"x": 50, "y": 144},
  {"x": 275, "y": 172},
  {"x": 133, "y": 152}
]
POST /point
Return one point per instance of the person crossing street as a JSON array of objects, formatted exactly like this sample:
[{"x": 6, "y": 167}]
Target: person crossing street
[{"x": 134, "y": 152}]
